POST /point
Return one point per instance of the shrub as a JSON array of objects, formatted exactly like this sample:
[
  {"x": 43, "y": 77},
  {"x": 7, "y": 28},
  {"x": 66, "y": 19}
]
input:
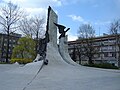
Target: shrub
[
  {"x": 102, "y": 65},
  {"x": 3, "y": 63},
  {"x": 21, "y": 61}
]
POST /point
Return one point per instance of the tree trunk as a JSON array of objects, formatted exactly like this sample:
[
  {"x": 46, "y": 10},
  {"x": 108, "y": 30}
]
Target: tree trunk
[
  {"x": 74, "y": 55},
  {"x": 37, "y": 42},
  {"x": 22, "y": 54},
  {"x": 90, "y": 61},
  {"x": 80, "y": 59},
  {"x": 119, "y": 56}
]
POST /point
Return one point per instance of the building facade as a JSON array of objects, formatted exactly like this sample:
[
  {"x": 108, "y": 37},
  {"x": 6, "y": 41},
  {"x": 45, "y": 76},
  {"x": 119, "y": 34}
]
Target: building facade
[
  {"x": 107, "y": 50},
  {"x": 3, "y": 45}
]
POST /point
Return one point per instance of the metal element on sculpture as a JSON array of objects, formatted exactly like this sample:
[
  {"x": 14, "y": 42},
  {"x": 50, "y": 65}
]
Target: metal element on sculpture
[{"x": 61, "y": 30}]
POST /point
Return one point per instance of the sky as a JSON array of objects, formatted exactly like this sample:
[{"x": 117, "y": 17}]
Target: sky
[{"x": 73, "y": 13}]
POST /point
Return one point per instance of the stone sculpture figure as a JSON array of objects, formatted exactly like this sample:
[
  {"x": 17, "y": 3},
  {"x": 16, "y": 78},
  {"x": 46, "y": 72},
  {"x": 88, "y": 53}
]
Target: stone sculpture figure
[
  {"x": 42, "y": 49},
  {"x": 61, "y": 30},
  {"x": 44, "y": 41}
]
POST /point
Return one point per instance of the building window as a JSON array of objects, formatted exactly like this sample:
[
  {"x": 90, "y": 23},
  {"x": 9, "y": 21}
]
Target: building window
[
  {"x": 4, "y": 55},
  {"x": 105, "y": 54},
  {"x": 110, "y": 54},
  {"x": 97, "y": 55},
  {"x": 113, "y": 54},
  {"x": 9, "y": 45},
  {"x": 104, "y": 48},
  {"x": 14, "y": 41},
  {"x": 5, "y": 39},
  {"x": 5, "y": 44},
  {"x": 109, "y": 47}
]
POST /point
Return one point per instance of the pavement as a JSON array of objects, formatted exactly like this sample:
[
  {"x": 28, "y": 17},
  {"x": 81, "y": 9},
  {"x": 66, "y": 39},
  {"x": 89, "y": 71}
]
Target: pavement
[{"x": 57, "y": 75}]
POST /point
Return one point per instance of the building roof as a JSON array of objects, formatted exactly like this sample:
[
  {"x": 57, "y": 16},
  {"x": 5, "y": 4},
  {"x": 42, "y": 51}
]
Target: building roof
[
  {"x": 96, "y": 39},
  {"x": 12, "y": 34}
]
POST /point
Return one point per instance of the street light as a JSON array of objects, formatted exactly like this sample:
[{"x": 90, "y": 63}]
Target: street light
[{"x": 8, "y": 27}]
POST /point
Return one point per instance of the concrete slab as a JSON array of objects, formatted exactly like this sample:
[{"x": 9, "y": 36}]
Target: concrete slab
[{"x": 63, "y": 49}]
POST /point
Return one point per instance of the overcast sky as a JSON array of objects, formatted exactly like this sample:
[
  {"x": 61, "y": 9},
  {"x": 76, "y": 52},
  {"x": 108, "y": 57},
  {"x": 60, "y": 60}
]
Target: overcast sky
[{"x": 73, "y": 13}]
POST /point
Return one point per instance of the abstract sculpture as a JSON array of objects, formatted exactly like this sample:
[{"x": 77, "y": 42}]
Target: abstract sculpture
[{"x": 61, "y": 30}]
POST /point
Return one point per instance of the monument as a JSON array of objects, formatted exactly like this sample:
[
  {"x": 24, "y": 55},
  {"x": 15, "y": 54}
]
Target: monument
[
  {"x": 48, "y": 48},
  {"x": 52, "y": 53}
]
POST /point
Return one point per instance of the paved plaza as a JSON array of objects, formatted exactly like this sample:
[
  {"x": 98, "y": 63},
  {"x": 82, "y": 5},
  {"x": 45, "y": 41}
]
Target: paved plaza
[{"x": 57, "y": 77}]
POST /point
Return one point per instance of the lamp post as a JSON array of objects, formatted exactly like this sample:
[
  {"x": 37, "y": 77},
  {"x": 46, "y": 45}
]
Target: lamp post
[{"x": 8, "y": 28}]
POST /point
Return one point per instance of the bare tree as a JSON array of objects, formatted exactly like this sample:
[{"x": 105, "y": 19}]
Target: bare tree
[
  {"x": 115, "y": 27},
  {"x": 33, "y": 27},
  {"x": 74, "y": 54},
  {"x": 86, "y": 34},
  {"x": 79, "y": 53},
  {"x": 115, "y": 30},
  {"x": 10, "y": 15},
  {"x": 26, "y": 27},
  {"x": 86, "y": 31},
  {"x": 38, "y": 29}
]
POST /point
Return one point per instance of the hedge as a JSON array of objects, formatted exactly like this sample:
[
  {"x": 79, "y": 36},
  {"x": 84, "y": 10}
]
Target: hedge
[
  {"x": 102, "y": 65},
  {"x": 3, "y": 63},
  {"x": 21, "y": 60}
]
